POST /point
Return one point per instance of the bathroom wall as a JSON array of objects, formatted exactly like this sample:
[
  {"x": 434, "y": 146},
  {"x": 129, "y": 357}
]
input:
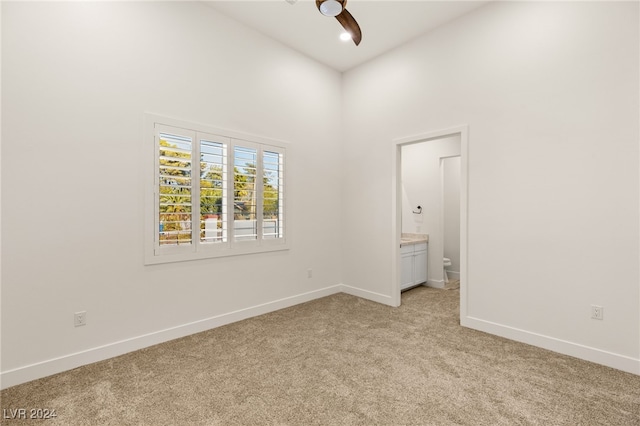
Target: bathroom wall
[{"x": 422, "y": 186}]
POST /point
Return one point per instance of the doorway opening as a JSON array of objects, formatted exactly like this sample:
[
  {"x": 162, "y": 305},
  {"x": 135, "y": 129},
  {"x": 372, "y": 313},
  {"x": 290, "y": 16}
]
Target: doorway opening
[
  {"x": 423, "y": 170},
  {"x": 450, "y": 219}
]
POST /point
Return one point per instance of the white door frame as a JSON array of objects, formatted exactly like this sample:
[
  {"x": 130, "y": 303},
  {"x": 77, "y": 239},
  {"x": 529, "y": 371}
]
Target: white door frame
[{"x": 396, "y": 207}]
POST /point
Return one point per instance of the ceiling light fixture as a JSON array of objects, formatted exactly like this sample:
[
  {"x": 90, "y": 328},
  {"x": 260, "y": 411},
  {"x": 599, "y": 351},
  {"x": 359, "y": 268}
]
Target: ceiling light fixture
[
  {"x": 336, "y": 9},
  {"x": 345, "y": 36},
  {"x": 331, "y": 8}
]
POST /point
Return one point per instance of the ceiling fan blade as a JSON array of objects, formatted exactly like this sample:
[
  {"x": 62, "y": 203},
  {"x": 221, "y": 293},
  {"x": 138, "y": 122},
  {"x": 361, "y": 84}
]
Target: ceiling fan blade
[{"x": 350, "y": 24}]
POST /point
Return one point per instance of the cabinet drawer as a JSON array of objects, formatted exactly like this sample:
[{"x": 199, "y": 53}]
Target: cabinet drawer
[
  {"x": 420, "y": 247},
  {"x": 409, "y": 248}
]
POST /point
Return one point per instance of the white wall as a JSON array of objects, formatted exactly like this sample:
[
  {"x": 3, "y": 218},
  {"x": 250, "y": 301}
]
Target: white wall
[
  {"x": 451, "y": 214},
  {"x": 551, "y": 87},
  {"x": 422, "y": 186},
  {"x": 77, "y": 78},
  {"x": 550, "y": 93}
]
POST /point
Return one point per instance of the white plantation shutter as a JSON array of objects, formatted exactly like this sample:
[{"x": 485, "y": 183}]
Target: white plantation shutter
[
  {"x": 174, "y": 187},
  {"x": 273, "y": 193},
  {"x": 214, "y": 195},
  {"x": 213, "y": 190},
  {"x": 245, "y": 193}
]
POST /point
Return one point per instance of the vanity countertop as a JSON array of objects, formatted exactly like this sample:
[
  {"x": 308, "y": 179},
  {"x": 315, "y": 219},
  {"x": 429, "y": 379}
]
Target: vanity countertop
[{"x": 409, "y": 239}]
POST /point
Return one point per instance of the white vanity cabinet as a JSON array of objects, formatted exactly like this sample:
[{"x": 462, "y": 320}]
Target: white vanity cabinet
[{"x": 413, "y": 265}]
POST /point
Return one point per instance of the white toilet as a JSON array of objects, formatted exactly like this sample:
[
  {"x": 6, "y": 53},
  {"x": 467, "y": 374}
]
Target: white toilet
[{"x": 446, "y": 262}]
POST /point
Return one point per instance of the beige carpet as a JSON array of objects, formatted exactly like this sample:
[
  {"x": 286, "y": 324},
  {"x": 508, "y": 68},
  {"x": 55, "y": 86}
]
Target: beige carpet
[
  {"x": 339, "y": 360},
  {"x": 452, "y": 285}
]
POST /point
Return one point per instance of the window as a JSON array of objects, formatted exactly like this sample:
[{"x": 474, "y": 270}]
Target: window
[{"x": 213, "y": 194}]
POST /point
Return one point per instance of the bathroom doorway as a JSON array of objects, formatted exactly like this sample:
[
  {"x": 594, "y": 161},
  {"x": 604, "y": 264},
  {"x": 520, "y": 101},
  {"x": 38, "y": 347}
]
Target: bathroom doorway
[
  {"x": 450, "y": 177},
  {"x": 424, "y": 168}
]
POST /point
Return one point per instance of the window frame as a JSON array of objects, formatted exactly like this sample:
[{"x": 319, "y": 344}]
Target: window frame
[{"x": 156, "y": 253}]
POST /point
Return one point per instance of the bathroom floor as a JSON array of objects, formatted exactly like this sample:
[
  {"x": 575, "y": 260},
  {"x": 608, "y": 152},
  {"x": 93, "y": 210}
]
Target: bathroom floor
[{"x": 452, "y": 285}]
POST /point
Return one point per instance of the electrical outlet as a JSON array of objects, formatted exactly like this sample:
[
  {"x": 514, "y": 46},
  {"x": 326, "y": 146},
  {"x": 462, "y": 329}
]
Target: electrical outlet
[
  {"x": 597, "y": 312},
  {"x": 309, "y": 273},
  {"x": 80, "y": 318}
]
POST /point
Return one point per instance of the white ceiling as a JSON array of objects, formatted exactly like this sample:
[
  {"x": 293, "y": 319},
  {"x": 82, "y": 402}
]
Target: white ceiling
[{"x": 385, "y": 24}]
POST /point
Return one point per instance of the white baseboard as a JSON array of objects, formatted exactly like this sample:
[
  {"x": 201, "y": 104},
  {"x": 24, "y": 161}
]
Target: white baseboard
[
  {"x": 369, "y": 295},
  {"x": 435, "y": 283},
  {"x": 619, "y": 362},
  {"x": 67, "y": 362}
]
